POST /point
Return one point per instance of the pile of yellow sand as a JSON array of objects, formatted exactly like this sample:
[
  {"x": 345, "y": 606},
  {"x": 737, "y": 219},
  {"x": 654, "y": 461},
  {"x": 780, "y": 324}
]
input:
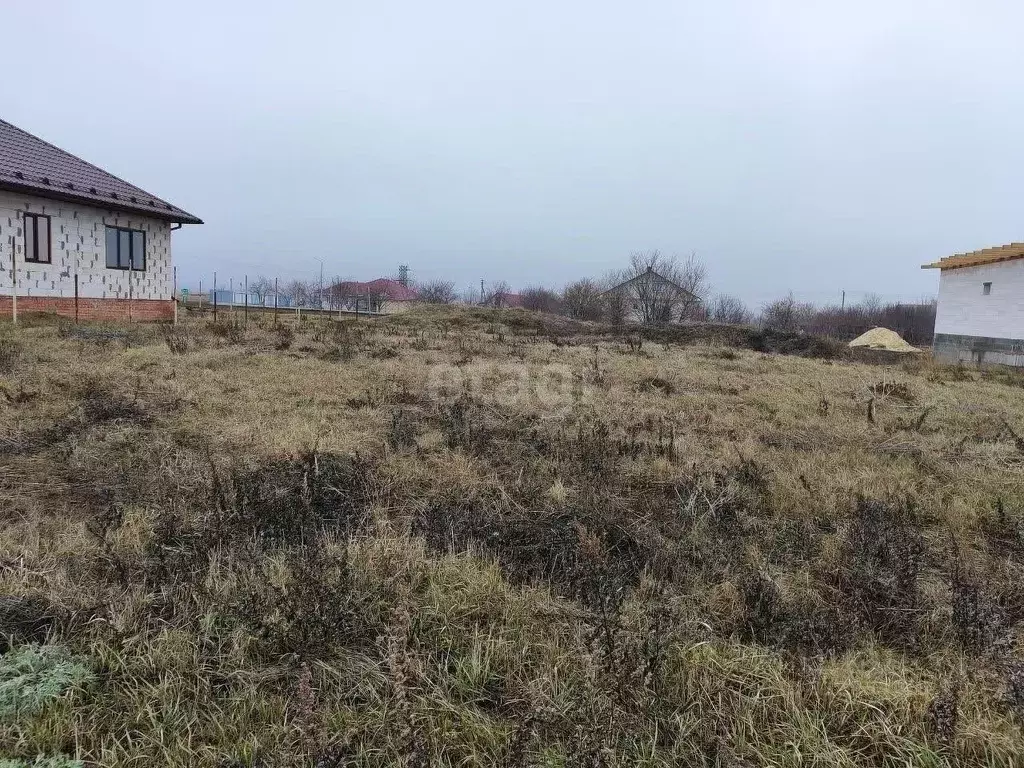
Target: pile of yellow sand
[{"x": 883, "y": 338}]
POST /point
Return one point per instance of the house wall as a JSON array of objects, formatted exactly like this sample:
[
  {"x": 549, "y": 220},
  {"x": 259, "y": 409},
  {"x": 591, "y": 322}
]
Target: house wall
[
  {"x": 78, "y": 247},
  {"x": 973, "y": 327}
]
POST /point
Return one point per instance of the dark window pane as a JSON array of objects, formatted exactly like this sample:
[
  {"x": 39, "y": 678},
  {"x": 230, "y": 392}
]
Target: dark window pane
[
  {"x": 112, "y": 248},
  {"x": 139, "y": 250},
  {"x": 124, "y": 248},
  {"x": 30, "y": 238},
  {"x": 43, "y": 239}
]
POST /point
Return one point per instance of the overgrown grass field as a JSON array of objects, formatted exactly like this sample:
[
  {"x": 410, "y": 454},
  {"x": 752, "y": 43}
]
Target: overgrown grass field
[{"x": 476, "y": 538}]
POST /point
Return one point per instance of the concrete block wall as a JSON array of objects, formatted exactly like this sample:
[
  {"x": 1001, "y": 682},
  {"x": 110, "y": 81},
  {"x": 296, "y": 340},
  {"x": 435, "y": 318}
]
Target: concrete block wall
[
  {"x": 965, "y": 310},
  {"x": 78, "y": 247}
]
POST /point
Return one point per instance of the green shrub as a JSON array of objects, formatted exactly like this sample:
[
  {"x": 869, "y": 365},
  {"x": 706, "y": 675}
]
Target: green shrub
[{"x": 31, "y": 676}]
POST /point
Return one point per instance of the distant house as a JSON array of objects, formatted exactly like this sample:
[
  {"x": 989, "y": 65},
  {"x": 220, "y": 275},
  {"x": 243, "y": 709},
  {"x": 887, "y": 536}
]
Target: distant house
[
  {"x": 382, "y": 295},
  {"x": 504, "y": 301},
  {"x": 649, "y": 298},
  {"x": 74, "y": 229},
  {"x": 980, "y": 314}
]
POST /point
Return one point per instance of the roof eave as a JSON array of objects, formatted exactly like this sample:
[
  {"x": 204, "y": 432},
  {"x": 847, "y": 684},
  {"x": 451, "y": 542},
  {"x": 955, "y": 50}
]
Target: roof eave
[
  {"x": 967, "y": 264},
  {"x": 175, "y": 217}
]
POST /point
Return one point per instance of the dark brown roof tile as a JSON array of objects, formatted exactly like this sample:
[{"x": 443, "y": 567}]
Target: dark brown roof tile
[{"x": 29, "y": 164}]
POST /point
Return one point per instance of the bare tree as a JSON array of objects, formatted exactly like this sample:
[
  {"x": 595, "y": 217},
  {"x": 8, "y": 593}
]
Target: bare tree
[
  {"x": 786, "y": 314},
  {"x": 261, "y": 287},
  {"x": 581, "y": 300},
  {"x": 299, "y": 292},
  {"x": 438, "y": 292},
  {"x": 341, "y": 293},
  {"x": 662, "y": 289},
  {"x": 497, "y": 295},
  {"x": 692, "y": 276},
  {"x": 356, "y": 296},
  {"x": 540, "y": 299},
  {"x": 729, "y": 309},
  {"x": 378, "y": 300},
  {"x": 615, "y": 307}
]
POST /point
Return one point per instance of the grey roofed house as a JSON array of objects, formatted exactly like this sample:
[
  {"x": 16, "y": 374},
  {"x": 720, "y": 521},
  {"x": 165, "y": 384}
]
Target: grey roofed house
[
  {"x": 77, "y": 239},
  {"x": 650, "y": 297}
]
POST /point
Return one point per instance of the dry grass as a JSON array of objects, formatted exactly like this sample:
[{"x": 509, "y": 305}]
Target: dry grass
[{"x": 494, "y": 538}]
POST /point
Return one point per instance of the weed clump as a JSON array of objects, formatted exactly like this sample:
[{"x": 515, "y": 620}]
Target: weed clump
[
  {"x": 287, "y": 501},
  {"x": 880, "y": 562},
  {"x": 10, "y": 353}
]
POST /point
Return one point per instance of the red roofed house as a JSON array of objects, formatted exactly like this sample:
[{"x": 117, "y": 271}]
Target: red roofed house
[
  {"x": 382, "y": 295},
  {"x": 74, "y": 228}
]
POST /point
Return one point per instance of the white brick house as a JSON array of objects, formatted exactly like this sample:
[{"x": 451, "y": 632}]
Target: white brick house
[
  {"x": 76, "y": 239},
  {"x": 980, "y": 315}
]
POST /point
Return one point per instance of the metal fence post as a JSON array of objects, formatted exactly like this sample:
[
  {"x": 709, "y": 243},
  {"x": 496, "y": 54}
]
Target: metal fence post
[
  {"x": 14, "y": 285},
  {"x": 76, "y": 299}
]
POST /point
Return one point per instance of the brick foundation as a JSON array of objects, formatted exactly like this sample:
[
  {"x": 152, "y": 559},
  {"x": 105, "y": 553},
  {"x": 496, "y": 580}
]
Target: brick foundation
[{"x": 142, "y": 310}]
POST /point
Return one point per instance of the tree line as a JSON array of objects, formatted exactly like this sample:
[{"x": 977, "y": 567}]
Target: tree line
[
  {"x": 653, "y": 288},
  {"x": 692, "y": 299}
]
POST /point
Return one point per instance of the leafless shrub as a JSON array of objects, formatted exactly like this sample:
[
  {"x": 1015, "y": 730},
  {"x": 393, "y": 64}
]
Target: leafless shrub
[
  {"x": 438, "y": 292},
  {"x": 581, "y": 300},
  {"x": 914, "y": 322},
  {"x": 178, "y": 342},
  {"x": 284, "y": 336},
  {"x": 881, "y": 561},
  {"x": 944, "y": 714},
  {"x": 231, "y": 330},
  {"x": 786, "y": 314},
  {"x": 977, "y": 620},
  {"x": 540, "y": 299},
  {"x": 729, "y": 309},
  {"x": 497, "y": 295}
]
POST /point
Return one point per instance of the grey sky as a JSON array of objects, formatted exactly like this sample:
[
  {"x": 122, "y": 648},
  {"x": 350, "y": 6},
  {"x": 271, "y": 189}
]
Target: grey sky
[{"x": 792, "y": 145}]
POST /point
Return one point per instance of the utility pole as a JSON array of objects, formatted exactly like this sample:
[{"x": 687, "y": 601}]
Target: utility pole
[
  {"x": 481, "y": 292},
  {"x": 403, "y": 274},
  {"x": 844, "y": 301}
]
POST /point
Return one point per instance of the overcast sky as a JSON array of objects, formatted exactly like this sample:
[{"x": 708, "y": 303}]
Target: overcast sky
[{"x": 791, "y": 145}]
